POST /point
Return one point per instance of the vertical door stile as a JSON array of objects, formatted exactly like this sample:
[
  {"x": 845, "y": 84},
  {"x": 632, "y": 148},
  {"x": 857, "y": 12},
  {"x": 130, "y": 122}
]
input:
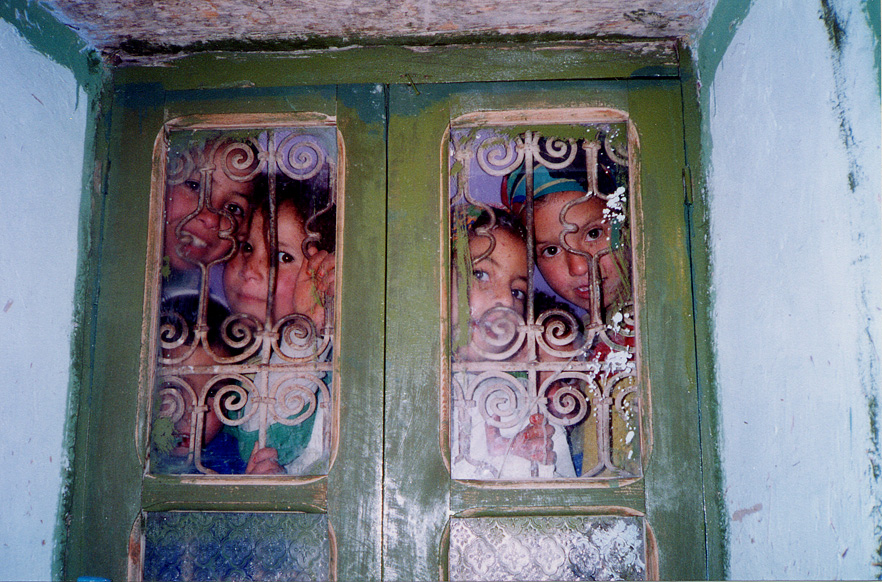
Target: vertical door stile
[
  {"x": 355, "y": 483},
  {"x": 415, "y": 481}
]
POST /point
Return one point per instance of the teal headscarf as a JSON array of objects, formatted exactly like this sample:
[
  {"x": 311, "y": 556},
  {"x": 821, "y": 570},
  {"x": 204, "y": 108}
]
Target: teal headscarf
[{"x": 514, "y": 186}]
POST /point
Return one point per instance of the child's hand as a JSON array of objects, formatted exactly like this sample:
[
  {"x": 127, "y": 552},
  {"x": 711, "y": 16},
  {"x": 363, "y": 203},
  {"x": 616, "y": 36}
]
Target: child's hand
[
  {"x": 315, "y": 286},
  {"x": 533, "y": 443},
  {"x": 264, "y": 462}
]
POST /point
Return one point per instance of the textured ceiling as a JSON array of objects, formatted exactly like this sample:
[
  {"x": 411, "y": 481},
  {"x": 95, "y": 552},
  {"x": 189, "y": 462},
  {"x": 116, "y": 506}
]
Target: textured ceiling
[{"x": 162, "y": 26}]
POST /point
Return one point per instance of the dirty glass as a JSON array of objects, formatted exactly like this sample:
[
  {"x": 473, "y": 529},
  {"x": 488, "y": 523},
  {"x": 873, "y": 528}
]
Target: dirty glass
[
  {"x": 543, "y": 338},
  {"x": 244, "y": 336},
  {"x": 547, "y": 548},
  {"x": 185, "y": 545}
]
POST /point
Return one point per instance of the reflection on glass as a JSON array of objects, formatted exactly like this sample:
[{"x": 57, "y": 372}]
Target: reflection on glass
[
  {"x": 547, "y": 548},
  {"x": 542, "y": 315},
  {"x": 184, "y": 545},
  {"x": 245, "y": 336}
]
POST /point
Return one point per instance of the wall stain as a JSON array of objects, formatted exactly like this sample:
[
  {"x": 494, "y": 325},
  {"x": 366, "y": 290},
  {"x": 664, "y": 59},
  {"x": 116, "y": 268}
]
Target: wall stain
[{"x": 742, "y": 513}]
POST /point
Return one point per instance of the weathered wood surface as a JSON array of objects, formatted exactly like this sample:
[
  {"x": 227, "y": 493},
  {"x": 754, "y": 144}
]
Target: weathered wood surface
[{"x": 111, "y": 24}]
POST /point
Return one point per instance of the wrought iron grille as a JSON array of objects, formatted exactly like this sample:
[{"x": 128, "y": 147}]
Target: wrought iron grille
[
  {"x": 245, "y": 337},
  {"x": 543, "y": 335}
]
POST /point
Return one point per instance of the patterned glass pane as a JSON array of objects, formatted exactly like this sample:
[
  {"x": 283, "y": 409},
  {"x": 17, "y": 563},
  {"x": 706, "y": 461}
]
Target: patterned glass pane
[
  {"x": 245, "y": 333},
  {"x": 543, "y": 338},
  {"x": 181, "y": 545},
  {"x": 547, "y": 548}
]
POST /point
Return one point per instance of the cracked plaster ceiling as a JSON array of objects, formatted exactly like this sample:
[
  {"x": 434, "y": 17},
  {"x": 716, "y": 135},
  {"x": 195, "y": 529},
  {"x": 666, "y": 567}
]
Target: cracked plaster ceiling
[{"x": 145, "y": 27}]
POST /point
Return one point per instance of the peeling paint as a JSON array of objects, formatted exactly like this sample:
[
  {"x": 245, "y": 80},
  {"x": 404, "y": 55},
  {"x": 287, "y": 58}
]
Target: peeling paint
[
  {"x": 837, "y": 27},
  {"x": 802, "y": 427},
  {"x": 42, "y": 113}
]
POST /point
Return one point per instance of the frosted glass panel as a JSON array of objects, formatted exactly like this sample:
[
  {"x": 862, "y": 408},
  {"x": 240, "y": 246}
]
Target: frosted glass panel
[
  {"x": 236, "y": 546},
  {"x": 547, "y": 548}
]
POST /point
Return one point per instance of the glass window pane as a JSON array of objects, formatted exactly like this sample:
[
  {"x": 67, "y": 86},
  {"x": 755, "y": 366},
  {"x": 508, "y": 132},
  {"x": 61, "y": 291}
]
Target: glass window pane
[
  {"x": 244, "y": 342},
  {"x": 543, "y": 336},
  {"x": 547, "y": 548},
  {"x": 184, "y": 545}
]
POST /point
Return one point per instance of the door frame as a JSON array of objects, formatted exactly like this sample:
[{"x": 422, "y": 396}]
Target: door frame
[{"x": 114, "y": 305}]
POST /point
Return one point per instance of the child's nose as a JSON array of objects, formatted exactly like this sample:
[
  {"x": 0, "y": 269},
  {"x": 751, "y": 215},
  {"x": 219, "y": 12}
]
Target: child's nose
[
  {"x": 254, "y": 268},
  {"x": 504, "y": 298},
  {"x": 209, "y": 217},
  {"x": 255, "y": 264},
  {"x": 577, "y": 264}
]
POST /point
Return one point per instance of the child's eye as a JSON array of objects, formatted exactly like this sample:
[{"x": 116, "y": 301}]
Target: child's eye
[
  {"x": 519, "y": 294},
  {"x": 247, "y": 248},
  {"x": 192, "y": 185},
  {"x": 549, "y": 251},
  {"x": 594, "y": 233},
  {"x": 235, "y": 209},
  {"x": 481, "y": 275},
  {"x": 285, "y": 257}
]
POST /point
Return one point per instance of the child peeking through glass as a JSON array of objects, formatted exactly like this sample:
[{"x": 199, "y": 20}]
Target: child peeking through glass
[{"x": 493, "y": 436}]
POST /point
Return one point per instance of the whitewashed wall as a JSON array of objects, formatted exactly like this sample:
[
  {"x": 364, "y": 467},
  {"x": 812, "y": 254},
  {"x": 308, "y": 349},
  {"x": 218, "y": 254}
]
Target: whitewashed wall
[
  {"x": 42, "y": 130},
  {"x": 792, "y": 135}
]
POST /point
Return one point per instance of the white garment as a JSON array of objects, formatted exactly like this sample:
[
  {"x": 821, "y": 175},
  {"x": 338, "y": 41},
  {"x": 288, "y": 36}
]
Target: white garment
[
  {"x": 470, "y": 453},
  {"x": 314, "y": 458}
]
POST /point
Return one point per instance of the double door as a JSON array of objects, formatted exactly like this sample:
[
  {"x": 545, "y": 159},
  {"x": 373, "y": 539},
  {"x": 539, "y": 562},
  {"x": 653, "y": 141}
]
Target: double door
[{"x": 389, "y": 502}]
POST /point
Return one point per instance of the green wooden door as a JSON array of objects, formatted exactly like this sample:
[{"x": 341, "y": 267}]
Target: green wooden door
[
  {"x": 112, "y": 489},
  {"x": 389, "y": 496},
  {"x": 419, "y": 495}
]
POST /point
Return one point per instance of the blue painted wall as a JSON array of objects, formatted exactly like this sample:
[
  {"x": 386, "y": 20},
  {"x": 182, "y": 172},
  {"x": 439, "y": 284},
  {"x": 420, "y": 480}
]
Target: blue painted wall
[
  {"x": 43, "y": 119},
  {"x": 791, "y": 119}
]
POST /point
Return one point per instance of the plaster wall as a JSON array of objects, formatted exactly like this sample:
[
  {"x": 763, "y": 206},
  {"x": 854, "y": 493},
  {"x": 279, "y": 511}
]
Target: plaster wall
[
  {"x": 42, "y": 128},
  {"x": 792, "y": 138}
]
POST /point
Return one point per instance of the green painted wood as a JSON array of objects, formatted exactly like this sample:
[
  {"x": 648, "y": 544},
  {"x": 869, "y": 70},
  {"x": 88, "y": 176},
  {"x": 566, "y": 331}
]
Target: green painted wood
[
  {"x": 355, "y": 480},
  {"x": 107, "y": 474},
  {"x": 699, "y": 222},
  {"x": 415, "y": 502},
  {"x": 417, "y": 65},
  {"x": 674, "y": 492},
  {"x": 388, "y": 495},
  {"x": 168, "y": 493},
  {"x": 671, "y": 493},
  {"x": 91, "y": 217},
  {"x": 109, "y": 493},
  {"x": 465, "y": 498}
]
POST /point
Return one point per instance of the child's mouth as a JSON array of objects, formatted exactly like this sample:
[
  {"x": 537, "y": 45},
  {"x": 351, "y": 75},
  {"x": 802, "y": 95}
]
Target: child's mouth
[
  {"x": 249, "y": 298},
  {"x": 584, "y": 291},
  {"x": 195, "y": 241}
]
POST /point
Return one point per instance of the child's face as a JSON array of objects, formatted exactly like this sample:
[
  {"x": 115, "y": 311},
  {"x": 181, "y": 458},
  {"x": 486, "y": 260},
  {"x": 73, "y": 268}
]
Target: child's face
[
  {"x": 211, "y": 423},
  {"x": 568, "y": 273},
  {"x": 498, "y": 280},
  {"x": 246, "y": 275},
  {"x": 501, "y": 278},
  {"x": 229, "y": 209}
]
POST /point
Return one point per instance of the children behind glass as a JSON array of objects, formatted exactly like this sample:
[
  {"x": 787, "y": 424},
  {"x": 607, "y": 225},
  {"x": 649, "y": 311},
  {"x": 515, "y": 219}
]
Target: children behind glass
[
  {"x": 495, "y": 433},
  {"x": 187, "y": 432},
  {"x": 582, "y": 251},
  {"x": 209, "y": 198},
  {"x": 299, "y": 308}
]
